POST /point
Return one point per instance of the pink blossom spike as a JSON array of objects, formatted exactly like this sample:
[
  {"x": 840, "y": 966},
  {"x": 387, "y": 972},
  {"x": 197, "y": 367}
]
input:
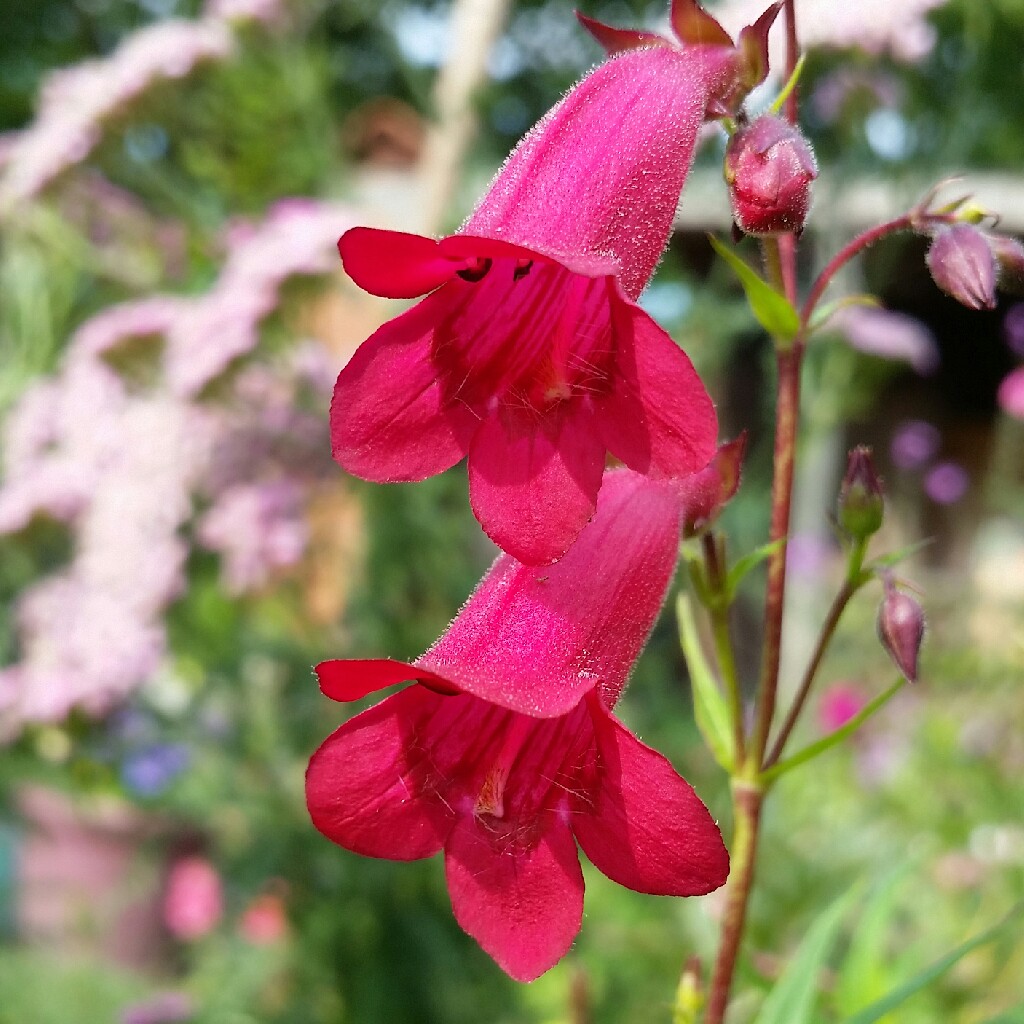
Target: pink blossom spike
[
  {"x": 530, "y": 355},
  {"x": 504, "y": 748},
  {"x": 1011, "y": 394}
]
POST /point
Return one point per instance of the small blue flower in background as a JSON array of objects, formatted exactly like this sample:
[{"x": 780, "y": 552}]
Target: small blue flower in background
[{"x": 148, "y": 771}]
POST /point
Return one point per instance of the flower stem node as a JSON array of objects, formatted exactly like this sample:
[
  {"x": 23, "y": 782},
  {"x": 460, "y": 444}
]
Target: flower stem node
[
  {"x": 901, "y": 629},
  {"x": 861, "y": 504},
  {"x": 769, "y": 167}
]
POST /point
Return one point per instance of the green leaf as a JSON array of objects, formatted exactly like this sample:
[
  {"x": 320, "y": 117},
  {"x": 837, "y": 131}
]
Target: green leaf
[
  {"x": 709, "y": 707},
  {"x": 813, "y": 750},
  {"x": 895, "y": 557},
  {"x": 867, "y": 966},
  {"x": 773, "y": 310},
  {"x": 748, "y": 562},
  {"x": 793, "y": 998},
  {"x": 877, "y": 1010},
  {"x": 825, "y": 313}
]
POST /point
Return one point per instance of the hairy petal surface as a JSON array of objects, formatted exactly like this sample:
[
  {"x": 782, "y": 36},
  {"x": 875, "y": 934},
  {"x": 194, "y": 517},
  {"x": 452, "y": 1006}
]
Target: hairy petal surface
[
  {"x": 391, "y": 419},
  {"x": 646, "y": 828},
  {"x": 536, "y": 640},
  {"x": 368, "y": 787},
  {"x": 533, "y": 482},
  {"x": 522, "y": 902},
  {"x": 658, "y": 418},
  {"x": 601, "y": 173}
]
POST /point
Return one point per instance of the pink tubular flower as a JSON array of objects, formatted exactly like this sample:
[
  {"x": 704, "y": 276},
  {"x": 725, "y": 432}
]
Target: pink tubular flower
[
  {"x": 505, "y": 749},
  {"x": 530, "y": 354}
]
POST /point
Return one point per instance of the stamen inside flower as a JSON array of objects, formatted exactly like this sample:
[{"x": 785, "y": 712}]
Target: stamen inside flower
[{"x": 553, "y": 340}]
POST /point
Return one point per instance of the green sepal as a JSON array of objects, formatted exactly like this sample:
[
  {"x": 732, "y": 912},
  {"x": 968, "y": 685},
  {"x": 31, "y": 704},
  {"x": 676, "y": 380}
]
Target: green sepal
[
  {"x": 828, "y": 742},
  {"x": 774, "y": 312},
  {"x": 709, "y": 707}
]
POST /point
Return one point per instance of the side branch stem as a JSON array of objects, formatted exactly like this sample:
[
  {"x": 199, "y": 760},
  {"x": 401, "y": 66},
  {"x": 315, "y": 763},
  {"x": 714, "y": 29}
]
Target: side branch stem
[{"x": 844, "y": 256}]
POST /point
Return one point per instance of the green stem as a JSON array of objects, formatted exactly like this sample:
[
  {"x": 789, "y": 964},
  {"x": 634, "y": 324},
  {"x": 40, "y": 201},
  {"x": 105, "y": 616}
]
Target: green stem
[
  {"x": 786, "y": 420},
  {"x": 855, "y": 579},
  {"x": 723, "y": 642},
  {"x": 746, "y": 802}
]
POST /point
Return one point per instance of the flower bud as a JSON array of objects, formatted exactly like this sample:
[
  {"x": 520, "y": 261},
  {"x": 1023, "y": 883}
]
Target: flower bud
[
  {"x": 962, "y": 265},
  {"x": 1009, "y": 254},
  {"x": 901, "y": 629},
  {"x": 861, "y": 505},
  {"x": 769, "y": 167}
]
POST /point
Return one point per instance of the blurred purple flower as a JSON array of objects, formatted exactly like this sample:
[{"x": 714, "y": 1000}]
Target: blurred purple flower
[
  {"x": 1011, "y": 394},
  {"x": 809, "y": 555},
  {"x": 148, "y": 771},
  {"x": 1013, "y": 329},
  {"x": 121, "y": 466},
  {"x": 914, "y": 444},
  {"x": 833, "y": 90},
  {"x": 889, "y": 335},
  {"x": 946, "y": 483},
  {"x": 165, "y": 1008},
  {"x": 257, "y": 529}
]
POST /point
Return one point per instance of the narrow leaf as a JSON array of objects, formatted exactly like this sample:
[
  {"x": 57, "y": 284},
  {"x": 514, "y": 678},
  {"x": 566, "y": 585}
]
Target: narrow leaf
[
  {"x": 876, "y": 1011},
  {"x": 709, "y": 707},
  {"x": 825, "y": 313},
  {"x": 867, "y": 965},
  {"x": 773, "y": 310},
  {"x": 832, "y": 739},
  {"x": 793, "y": 998},
  {"x": 749, "y": 561},
  {"x": 895, "y": 557}
]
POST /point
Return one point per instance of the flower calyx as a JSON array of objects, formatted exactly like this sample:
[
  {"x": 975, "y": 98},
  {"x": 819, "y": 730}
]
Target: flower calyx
[
  {"x": 693, "y": 26},
  {"x": 861, "y": 505}
]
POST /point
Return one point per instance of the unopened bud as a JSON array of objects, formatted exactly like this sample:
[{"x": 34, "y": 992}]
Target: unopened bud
[
  {"x": 769, "y": 167},
  {"x": 962, "y": 265},
  {"x": 901, "y": 629},
  {"x": 861, "y": 505},
  {"x": 1009, "y": 254}
]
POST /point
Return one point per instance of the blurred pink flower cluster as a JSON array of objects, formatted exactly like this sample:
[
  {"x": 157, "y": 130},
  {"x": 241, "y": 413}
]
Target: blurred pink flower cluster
[
  {"x": 1011, "y": 390},
  {"x": 899, "y": 27},
  {"x": 75, "y": 102},
  {"x": 93, "y": 631}
]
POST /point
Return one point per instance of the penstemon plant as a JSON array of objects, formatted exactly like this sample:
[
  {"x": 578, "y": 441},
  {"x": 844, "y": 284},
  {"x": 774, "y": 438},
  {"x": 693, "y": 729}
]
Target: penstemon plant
[{"x": 530, "y": 355}]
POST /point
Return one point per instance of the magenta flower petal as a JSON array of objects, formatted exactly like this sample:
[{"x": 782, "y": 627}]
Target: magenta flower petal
[
  {"x": 616, "y": 40},
  {"x": 395, "y": 264},
  {"x": 647, "y": 829},
  {"x": 365, "y": 785},
  {"x": 601, "y": 174},
  {"x": 536, "y": 641},
  {"x": 522, "y": 902},
  {"x": 391, "y": 419},
  {"x": 533, "y": 485},
  {"x": 658, "y": 418},
  {"x": 533, "y": 321},
  {"x": 353, "y": 679}
]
